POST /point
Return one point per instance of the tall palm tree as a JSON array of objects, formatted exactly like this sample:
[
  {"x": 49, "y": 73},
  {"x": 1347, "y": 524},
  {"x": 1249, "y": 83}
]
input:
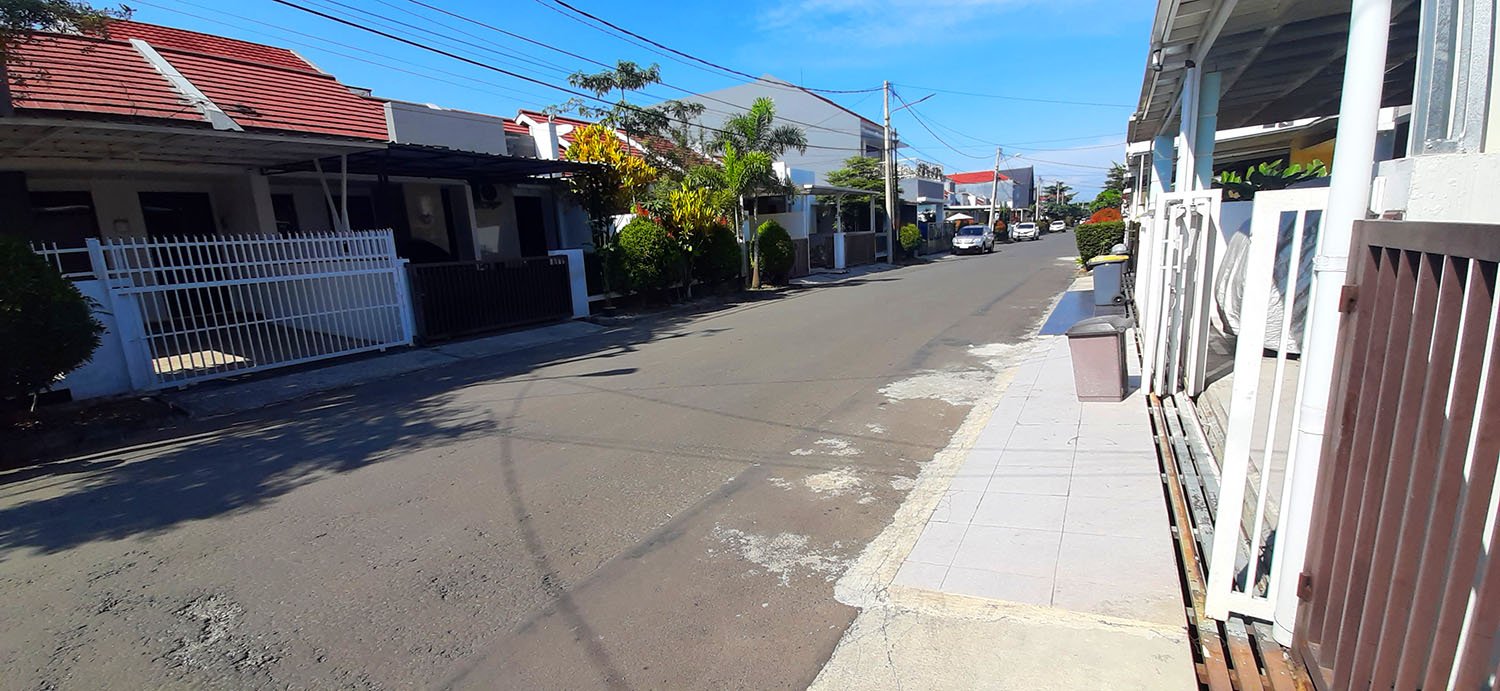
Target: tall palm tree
[{"x": 753, "y": 141}]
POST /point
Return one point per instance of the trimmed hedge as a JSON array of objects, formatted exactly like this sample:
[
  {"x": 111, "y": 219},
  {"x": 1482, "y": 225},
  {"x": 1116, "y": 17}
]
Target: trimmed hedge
[
  {"x": 649, "y": 256},
  {"x": 719, "y": 258},
  {"x": 776, "y": 252},
  {"x": 1095, "y": 239},
  {"x": 911, "y": 236},
  {"x": 47, "y": 327}
]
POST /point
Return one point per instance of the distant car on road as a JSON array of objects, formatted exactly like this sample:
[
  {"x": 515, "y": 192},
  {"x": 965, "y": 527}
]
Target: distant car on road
[
  {"x": 1058, "y": 226},
  {"x": 1025, "y": 230},
  {"x": 976, "y": 239}
]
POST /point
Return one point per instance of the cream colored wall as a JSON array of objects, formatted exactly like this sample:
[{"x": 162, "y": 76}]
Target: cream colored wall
[{"x": 241, "y": 202}]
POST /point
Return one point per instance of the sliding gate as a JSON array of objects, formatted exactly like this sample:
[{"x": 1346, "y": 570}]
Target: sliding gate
[{"x": 191, "y": 309}]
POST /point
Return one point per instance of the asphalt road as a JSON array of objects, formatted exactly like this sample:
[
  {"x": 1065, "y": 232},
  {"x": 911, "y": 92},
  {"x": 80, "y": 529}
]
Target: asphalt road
[{"x": 665, "y": 505}]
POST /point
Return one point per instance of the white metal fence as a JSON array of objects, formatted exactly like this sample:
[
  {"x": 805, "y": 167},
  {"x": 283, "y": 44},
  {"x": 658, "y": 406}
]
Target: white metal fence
[
  {"x": 190, "y": 309},
  {"x": 1176, "y": 265},
  {"x": 1265, "y": 403}
]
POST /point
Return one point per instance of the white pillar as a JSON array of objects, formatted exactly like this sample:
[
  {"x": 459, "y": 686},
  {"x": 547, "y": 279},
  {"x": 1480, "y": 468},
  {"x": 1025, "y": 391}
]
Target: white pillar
[
  {"x": 1207, "y": 127},
  {"x": 1161, "y": 165},
  {"x": 840, "y": 255},
  {"x": 577, "y": 280},
  {"x": 1348, "y": 201},
  {"x": 1187, "y": 131}
]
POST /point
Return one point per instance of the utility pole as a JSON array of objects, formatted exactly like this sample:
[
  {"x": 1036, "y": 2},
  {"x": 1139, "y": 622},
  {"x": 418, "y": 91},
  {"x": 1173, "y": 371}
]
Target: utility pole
[
  {"x": 890, "y": 182},
  {"x": 994, "y": 189}
]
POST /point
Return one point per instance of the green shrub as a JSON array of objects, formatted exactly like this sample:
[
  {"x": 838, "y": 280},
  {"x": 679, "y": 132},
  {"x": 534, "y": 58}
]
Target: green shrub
[
  {"x": 719, "y": 258},
  {"x": 47, "y": 328},
  {"x": 649, "y": 257},
  {"x": 1095, "y": 239},
  {"x": 776, "y": 252},
  {"x": 911, "y": 236}
]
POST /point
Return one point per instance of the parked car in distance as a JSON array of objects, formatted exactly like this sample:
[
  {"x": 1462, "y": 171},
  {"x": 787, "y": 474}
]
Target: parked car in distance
[
  {"x": 976, "y": 239},
  {"x": 1025, "y": 230},
  {"x": 1058, "y": 226}
]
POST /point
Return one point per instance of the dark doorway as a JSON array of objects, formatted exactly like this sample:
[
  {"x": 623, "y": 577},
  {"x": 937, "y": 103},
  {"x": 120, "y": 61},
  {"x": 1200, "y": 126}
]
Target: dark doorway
[
  {"x": 174, "y": 215},
  {"x": 531, "y": 226},
  {"x": 285, "y": 208},
  {"x": 171, "y": 214},
  {"x": 361, "y": 213}
]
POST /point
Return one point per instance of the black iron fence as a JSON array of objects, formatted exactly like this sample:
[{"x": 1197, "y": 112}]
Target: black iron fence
[{"x": 457, "y": 298}]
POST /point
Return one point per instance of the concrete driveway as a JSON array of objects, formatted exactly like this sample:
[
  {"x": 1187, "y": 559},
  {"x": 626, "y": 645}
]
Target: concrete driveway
[{"x": 666, "y": 504}]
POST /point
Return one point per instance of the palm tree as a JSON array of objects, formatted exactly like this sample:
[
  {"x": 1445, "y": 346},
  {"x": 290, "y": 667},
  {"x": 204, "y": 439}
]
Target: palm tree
[
  {"x": 756, "y": 130},
  {"x": 749, "y": 143}
]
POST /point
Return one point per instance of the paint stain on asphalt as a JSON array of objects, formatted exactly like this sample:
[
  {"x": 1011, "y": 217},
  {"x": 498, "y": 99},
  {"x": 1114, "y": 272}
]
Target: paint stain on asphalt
[
  {"x": 836, "y": 482},
  {"x": 785, "y": 555}
]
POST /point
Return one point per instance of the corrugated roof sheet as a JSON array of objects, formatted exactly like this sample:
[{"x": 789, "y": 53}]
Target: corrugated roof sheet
[
  {"x": 91, "y": 75},
  {"x": 182, "y": 39},
  {"x": 271, "y": 97}
]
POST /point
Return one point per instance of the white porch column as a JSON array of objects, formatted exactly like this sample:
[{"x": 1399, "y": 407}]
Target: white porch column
[
  {"x": 1187, "y": 131},
  {"x": 578, "y": 281},
  {"x": 1348, "y": 201},
  {"x": 1204, "y": 130},
  {"x": 1161, "y": 166}
]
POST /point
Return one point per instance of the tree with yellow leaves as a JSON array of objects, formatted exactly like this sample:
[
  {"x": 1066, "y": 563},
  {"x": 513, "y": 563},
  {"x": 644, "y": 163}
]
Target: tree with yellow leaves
[{"x": 608, "y": 186}]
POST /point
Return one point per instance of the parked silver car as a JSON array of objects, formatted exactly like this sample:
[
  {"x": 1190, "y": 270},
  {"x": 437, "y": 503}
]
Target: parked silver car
[
  {"x": 1025, "y": 230},
  {"x": 976, "y": 239}
]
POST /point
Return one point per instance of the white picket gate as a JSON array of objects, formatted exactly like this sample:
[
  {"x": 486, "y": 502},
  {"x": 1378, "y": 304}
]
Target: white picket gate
[
  {"x": 191, "y": 309},
  {"x": 1177, "y": 264},
  {"x": 1259, "y": 444}
]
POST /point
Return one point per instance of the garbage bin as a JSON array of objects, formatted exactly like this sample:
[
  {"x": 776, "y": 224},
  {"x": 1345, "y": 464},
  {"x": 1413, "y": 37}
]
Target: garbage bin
[
  {"x": 1107, "y": 285},
  {"x": 1097, "y": 345}
]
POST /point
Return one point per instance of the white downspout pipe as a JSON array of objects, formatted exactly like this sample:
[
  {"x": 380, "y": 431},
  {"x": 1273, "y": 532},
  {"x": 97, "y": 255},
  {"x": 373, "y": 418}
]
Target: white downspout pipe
[
  {"x": 1348, "y": 201},
  {"x": 344, "y": 190}
]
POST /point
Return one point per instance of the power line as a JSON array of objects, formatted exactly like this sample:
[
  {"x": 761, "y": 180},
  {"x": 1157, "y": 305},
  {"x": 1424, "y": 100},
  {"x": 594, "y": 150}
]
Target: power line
[
  {"x": 559, "y": 68},
  {"x": 919, "y": 120},
  {"x": 1017, "y": 98},
  {"x": 509, "y": 73},
  {"x": 697, "y": 59}
]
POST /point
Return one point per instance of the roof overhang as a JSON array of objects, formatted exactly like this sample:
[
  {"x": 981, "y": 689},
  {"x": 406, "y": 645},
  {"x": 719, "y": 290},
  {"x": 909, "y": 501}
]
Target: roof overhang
[
  {"x": 834, "y": 190},
  {"x": 414, "y": 160},
  {"x": 1279, "y": 60},
  {"x": 30, "y": 141}
]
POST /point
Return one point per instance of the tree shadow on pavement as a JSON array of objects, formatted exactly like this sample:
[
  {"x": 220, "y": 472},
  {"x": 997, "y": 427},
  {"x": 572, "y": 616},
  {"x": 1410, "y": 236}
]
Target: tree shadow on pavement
[{"x": 138, "y": 491}]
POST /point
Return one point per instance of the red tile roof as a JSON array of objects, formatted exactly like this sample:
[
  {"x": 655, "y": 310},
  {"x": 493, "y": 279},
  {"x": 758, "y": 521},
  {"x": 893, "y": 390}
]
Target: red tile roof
[
  {"x": 264, "y": 96},
  {"x": 181, "y": 39},
  {"x": 90, "y": 75},
  {"x": 260, "y": 87},
  {"x": 979, "y": 176}
]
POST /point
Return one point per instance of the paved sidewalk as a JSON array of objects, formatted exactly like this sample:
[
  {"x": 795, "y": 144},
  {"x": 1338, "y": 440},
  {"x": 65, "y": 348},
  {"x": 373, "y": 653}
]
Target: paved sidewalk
[
  {"x": 1035, "y": 553},
  {"x": 1058, "y": 504}
]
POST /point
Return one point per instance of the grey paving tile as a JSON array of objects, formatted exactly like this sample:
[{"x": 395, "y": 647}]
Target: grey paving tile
[
  {"x": 957, "y": 506},
  {"x": 1031, "y": 511},
  {"x": 974, "y": 474},
  {"x": 1123, "y": 484},
  {"x": 1059, "y": 437},
  {"x": 1151, "y": 602},
  {"x": 1111, "y": 558},
  {"x": 919, "y": 575},
  {"x": 1009, "y": 550},
  {"x": 1011, "y": 587},
  {"x": 938, "y": 543},
  {"x": 1134, "y": 517},
  {"x": 1032, "y": 479},
  {"x": 1053, "y": 458}
]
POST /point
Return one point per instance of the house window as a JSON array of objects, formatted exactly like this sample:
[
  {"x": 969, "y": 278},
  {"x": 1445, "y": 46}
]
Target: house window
[{"x": 67, "y": 220}]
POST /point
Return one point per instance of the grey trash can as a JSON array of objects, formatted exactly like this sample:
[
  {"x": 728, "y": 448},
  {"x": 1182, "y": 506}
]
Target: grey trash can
[
  {"x": 1108, "y": 288},
  {"x": 1097, "y": 346}
]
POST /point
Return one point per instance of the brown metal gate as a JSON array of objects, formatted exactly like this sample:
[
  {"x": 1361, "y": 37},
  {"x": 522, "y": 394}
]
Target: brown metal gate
[{"x": 1400, "y": 590}]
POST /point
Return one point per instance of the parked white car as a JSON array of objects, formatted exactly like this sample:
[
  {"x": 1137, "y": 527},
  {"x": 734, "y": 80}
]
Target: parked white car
[
  {"x": 1058, "y": 226},
  {"x": 976, "y": 239},
  {"x": 1025, "y": 230}
]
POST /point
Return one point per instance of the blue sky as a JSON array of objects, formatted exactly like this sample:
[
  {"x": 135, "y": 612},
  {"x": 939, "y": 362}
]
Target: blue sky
[{"x": 1065, "y": 50}]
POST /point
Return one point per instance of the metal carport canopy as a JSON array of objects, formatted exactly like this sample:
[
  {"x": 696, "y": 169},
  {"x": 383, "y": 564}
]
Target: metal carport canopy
[
  {"x": 1281, "y": 60},
  {"x": 414, "y": 160}
]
